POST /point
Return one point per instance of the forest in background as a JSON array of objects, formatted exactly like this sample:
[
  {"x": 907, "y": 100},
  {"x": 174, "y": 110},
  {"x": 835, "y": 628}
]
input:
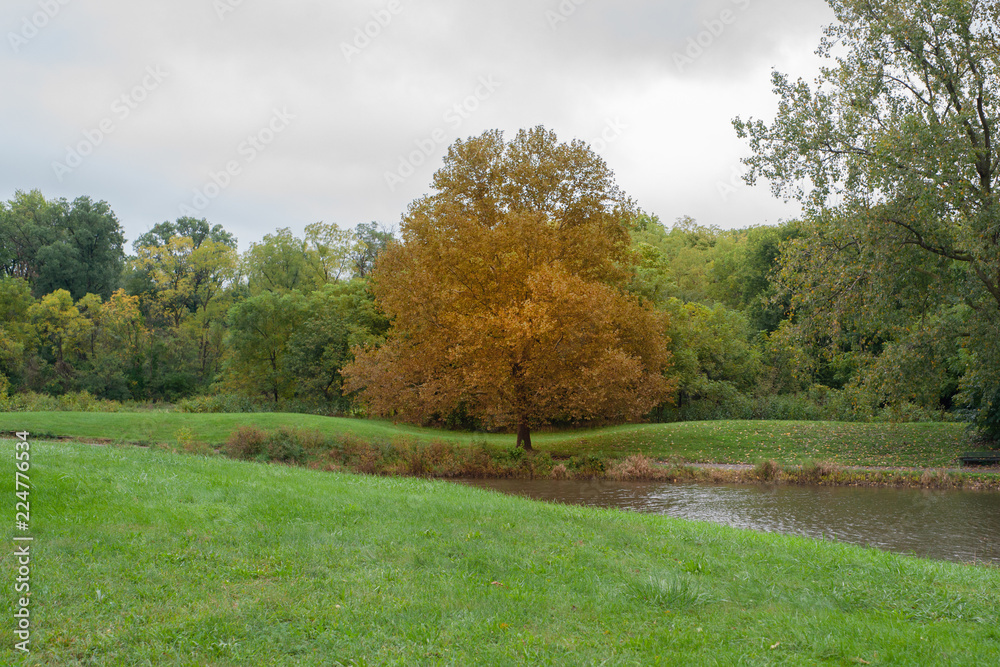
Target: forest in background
[
  {"x": 881, "y": 303},
  {"x": 188, "y": 320}
]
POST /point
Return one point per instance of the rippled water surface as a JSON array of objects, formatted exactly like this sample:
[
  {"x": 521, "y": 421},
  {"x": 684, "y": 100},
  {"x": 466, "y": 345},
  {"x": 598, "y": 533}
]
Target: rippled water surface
[{"x": 950, "y": 525}]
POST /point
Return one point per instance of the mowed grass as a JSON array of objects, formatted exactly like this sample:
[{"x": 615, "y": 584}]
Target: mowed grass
[
  {"x": 925, "y": 445},
  {"x": 142, "y": 557}
]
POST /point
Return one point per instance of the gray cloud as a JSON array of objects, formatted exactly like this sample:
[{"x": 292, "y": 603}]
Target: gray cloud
[{"x": 376, "y": 92}]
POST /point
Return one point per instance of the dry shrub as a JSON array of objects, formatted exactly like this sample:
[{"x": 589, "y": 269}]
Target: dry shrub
[
  {"x": 637, "y": 467},
  {"x": 559, "y": 472},
  {"x": 368, "y": 460},
  {"x": 245, "y": 443},
  {"x": 414, "y": 458},
  {"x": 350, "y": 452},
  {"x": 313, "y": 441},
  {"x": 941, "y": 479},
  {"x": 475, "y": 462},
  {"x": 441, "y": 454},
  {"x": 815, "y": 471},
  {"x": 197, "y": 447},
  {"x": 767, "y": 471}
]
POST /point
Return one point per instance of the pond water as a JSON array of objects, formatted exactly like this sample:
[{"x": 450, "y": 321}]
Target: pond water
[{"x": 960, "y": 526}]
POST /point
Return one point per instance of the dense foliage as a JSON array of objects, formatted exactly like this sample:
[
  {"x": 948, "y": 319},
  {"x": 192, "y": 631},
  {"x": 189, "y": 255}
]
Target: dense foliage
[
  {"x": 190, "y": 320},
  {"x": 893, "y": 153},
  {"x": 507, "y": 295},
  {"x": 527, "y": 289},
  {"x": 185, "y": 315}
]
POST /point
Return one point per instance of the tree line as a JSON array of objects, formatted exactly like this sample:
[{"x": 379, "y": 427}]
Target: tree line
[
  {"x": 185, "y": 314},
  {"x": 527, "y": 289}
]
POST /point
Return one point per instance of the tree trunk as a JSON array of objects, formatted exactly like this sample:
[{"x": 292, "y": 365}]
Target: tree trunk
[{"x": 524, "y": 437}]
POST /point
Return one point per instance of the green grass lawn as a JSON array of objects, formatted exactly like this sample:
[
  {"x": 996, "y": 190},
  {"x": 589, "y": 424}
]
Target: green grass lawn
[
  {"x": 787, "y": 442},
  {"x": 141, "y": 557}
]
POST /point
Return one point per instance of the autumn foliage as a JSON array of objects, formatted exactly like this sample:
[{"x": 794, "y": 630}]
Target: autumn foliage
[{"x": 507, "y": 295}]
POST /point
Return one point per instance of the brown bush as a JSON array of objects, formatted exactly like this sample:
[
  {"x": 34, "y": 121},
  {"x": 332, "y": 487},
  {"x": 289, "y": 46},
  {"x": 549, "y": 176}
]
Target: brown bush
[
  {"x": 637, "y": 467},
  {"x": 767, "y": 471},
  {"x": 245, "y": 443},
  {"x": 815, "y": 471}
]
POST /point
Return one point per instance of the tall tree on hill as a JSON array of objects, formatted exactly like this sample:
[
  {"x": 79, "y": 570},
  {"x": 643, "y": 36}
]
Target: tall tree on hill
[{"x": 507, "y": 295}]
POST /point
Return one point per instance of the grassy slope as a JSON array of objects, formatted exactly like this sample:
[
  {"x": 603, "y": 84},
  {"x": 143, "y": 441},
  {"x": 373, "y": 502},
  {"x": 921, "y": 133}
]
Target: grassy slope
[
  {"x": 142, "y": 557},
  {"x": 922, "y": 445}
]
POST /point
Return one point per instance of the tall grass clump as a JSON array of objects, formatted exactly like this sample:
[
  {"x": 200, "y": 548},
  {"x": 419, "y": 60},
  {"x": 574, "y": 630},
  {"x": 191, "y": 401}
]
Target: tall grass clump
[
  {"x": 816, "y": 472},
  {"x": 670, "y": 591},
  {"x": 636, "y": 467},
  {"x": 767, "y": 471}
]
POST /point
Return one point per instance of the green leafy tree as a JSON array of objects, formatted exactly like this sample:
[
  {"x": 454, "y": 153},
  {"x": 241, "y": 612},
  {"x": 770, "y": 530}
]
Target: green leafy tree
[
  {"x": 88, "y": 257},
  {"x": 185, "y": 272},
  {"x": 278, "y": 263},
  {"x": 744, "y": 274},
  {"x": 329, "y": 251},
  {"x": 60, "y": 324},
  {"x": 257, "y": 342},
  {"x": 60, "y": 245},
  {"x": 118, "y": 345},
  {"x": 64, "y": 336},
  {"x": 198, "y": 230},
  {"x": 712, "y": 351},
  {"x": 893, "y": 154},
  {"x": 337, "y": 318},
  {"x": 17, "y": 334},
  {"x": 372, "y": 240},
  {"x": 27, "y": 223}
]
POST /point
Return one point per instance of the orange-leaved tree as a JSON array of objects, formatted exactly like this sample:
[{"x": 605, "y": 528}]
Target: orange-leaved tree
[{"x": 507, "y": 295}]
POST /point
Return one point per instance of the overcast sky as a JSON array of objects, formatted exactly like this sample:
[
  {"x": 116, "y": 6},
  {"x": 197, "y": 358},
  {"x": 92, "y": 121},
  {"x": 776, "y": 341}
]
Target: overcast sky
[{"x": 259, "y": 114}]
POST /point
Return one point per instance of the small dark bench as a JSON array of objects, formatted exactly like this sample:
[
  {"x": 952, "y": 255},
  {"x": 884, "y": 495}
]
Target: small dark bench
[{"x": 980, "y": 458}]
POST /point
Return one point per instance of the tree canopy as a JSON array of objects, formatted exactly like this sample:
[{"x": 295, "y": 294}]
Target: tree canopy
[
  {"x": 507, "y": 295},
  {"x": 893, "y": 153},
  {"x": 61, "y": 245}
]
